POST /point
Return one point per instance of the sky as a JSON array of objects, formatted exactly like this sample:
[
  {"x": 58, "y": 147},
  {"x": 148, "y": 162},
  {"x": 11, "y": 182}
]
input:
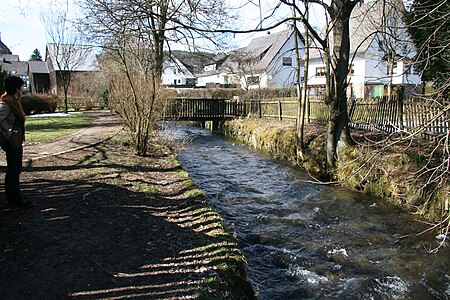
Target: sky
[{"x": 22, "y": 30}]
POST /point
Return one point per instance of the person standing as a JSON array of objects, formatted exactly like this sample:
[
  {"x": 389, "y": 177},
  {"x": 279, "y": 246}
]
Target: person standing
[{"x": 12, "y": 131}]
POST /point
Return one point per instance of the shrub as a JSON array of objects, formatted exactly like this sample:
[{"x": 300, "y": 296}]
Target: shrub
[
  {"x": 102, "y": 99},
  {"x": 76, "y": 103},
  {"x": 89, "y": 104},
  {"x": 39, "y": 103}
]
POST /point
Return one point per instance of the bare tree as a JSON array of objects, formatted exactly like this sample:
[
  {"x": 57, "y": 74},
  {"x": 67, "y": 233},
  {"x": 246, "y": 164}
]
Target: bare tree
[
  {"x": 64, "y": 52},
  {"x": 136, "y": 34},
  {"x": 301, "y": 90}
]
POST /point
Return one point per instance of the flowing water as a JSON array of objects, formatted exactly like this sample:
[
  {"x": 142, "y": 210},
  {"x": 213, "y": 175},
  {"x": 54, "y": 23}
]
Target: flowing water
[{"x": 302, "y": 240}]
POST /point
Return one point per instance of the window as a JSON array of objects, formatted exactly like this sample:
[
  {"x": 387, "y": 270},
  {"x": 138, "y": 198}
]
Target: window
[
  {"x": 253, "y": 80},
  {"x": 287, "y": 61},
  {"x": 411, "y": 70},
  {"x": 390, "y": 68},
  {"x": 408, "y": 70},
  {"x": 351, "y": 71},
  {"x": 320, "y": 71}
]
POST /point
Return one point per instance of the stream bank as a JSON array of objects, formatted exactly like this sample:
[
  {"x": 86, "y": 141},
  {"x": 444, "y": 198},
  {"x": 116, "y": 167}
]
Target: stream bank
[
  {"x": 370, "y": 166},
  {"x": 303, "y": 240}
]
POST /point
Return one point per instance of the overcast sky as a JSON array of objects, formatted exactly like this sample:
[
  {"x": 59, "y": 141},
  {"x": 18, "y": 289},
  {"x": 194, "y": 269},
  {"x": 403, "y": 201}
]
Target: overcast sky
[{"x": 22, "y": 30}]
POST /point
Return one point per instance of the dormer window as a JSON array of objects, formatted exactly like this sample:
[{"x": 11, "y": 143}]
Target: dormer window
[
  {"x": 210, "y": 68},
  {"x": 287, "y": 61},
  {"x": 253, "y": 80},
  {"x": 264, "y": 53}
]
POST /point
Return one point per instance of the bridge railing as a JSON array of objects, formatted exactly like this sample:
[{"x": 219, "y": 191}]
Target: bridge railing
[{"x": 192, "y": 109}]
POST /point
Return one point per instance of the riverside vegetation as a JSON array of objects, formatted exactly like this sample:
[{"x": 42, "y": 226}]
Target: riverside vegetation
[{"x": 372, "y": 166}]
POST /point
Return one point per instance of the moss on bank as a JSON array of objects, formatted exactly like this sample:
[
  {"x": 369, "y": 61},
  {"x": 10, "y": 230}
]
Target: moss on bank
[
  {"x": 229, "y": 279},
  {"x": 390, "y": 172}
]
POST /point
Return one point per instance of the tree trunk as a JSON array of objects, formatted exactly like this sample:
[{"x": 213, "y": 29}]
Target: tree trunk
[
  {"x": 300, "y": 93},
  {"x": 338, "y": 128}
]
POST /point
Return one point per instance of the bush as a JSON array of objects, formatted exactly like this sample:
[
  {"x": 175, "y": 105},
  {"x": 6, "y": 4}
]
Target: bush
[
  {"x": 102, "y": 99},
  {"x": 39, "y": 103},
  {"x": 76, "y": 103},
  {"x": 89, "y": 104}
]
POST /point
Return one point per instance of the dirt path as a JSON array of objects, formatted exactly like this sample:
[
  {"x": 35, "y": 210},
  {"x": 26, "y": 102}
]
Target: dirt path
[
  {"x": 109, "y": 225},
  {"x": 104, "y": 125}
]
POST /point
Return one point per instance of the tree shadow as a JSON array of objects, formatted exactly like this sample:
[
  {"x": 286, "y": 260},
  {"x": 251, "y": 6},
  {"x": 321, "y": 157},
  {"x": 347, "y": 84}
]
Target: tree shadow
[{"x": 87, "y": 238}]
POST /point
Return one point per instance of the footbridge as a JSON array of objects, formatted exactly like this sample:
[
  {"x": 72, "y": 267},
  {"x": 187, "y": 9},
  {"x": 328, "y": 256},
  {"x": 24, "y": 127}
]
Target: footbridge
[{"x": 204, "y": 109}]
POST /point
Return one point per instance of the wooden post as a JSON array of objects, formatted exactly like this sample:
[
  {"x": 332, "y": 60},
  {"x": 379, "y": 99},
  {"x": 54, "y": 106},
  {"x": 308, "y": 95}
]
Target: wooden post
[
  {"x": 259, "y": 109},
  {"x": 400, "y": 111},
  {"x": 280, "y": 113},
  {"x": 307, "y": 118},
  {"x": 215, "y": 125}
]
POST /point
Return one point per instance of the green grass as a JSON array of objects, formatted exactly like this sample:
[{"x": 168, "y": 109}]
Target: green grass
[{"x": 46, "y": 129}]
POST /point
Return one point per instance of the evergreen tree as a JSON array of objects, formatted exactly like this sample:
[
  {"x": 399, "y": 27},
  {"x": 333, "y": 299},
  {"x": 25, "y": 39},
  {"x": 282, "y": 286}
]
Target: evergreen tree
[
  {"x": 429, "y": 25},
  {"x": 36, "y": 55}
]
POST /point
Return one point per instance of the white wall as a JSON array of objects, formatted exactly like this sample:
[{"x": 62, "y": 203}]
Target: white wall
[
  {"x": 285, "y": 76},
  {"x": 175, "y": 73},
  {"x": 277, "y": 75},
  {"x": 221, "y": 78},
  {"x": 312, "y": 78}
]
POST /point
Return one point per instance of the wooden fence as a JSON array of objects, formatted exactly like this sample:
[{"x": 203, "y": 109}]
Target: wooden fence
[{"x": 390, "y": 114}]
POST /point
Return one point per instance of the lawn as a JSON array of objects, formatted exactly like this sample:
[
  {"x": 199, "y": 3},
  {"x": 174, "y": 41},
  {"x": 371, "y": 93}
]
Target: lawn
[{"x": 48, "y": 128}]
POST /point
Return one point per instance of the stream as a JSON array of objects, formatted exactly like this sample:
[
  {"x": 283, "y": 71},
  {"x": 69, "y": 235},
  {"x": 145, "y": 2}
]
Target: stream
[{"x": 303, "y": 240}]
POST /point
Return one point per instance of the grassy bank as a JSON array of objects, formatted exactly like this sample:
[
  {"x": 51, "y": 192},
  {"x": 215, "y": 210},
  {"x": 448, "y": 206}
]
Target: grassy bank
[
  {"x": 49, "y": 128},
  {"x": 390, "y": 172}
]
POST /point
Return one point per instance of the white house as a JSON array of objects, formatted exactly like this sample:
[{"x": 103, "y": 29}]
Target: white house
[
  {"x": 215, "y": 74},
  {"x": 176, "y": 74},
  {"x": 381, "y": 52},
  {"x": 268, "y": 61}
]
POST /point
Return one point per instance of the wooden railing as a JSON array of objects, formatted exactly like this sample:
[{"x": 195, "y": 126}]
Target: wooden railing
[
  {"x": 206, "y": 109},
  {"x": 390, "y": 114},
  {"x": 395, "y": 114}
]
